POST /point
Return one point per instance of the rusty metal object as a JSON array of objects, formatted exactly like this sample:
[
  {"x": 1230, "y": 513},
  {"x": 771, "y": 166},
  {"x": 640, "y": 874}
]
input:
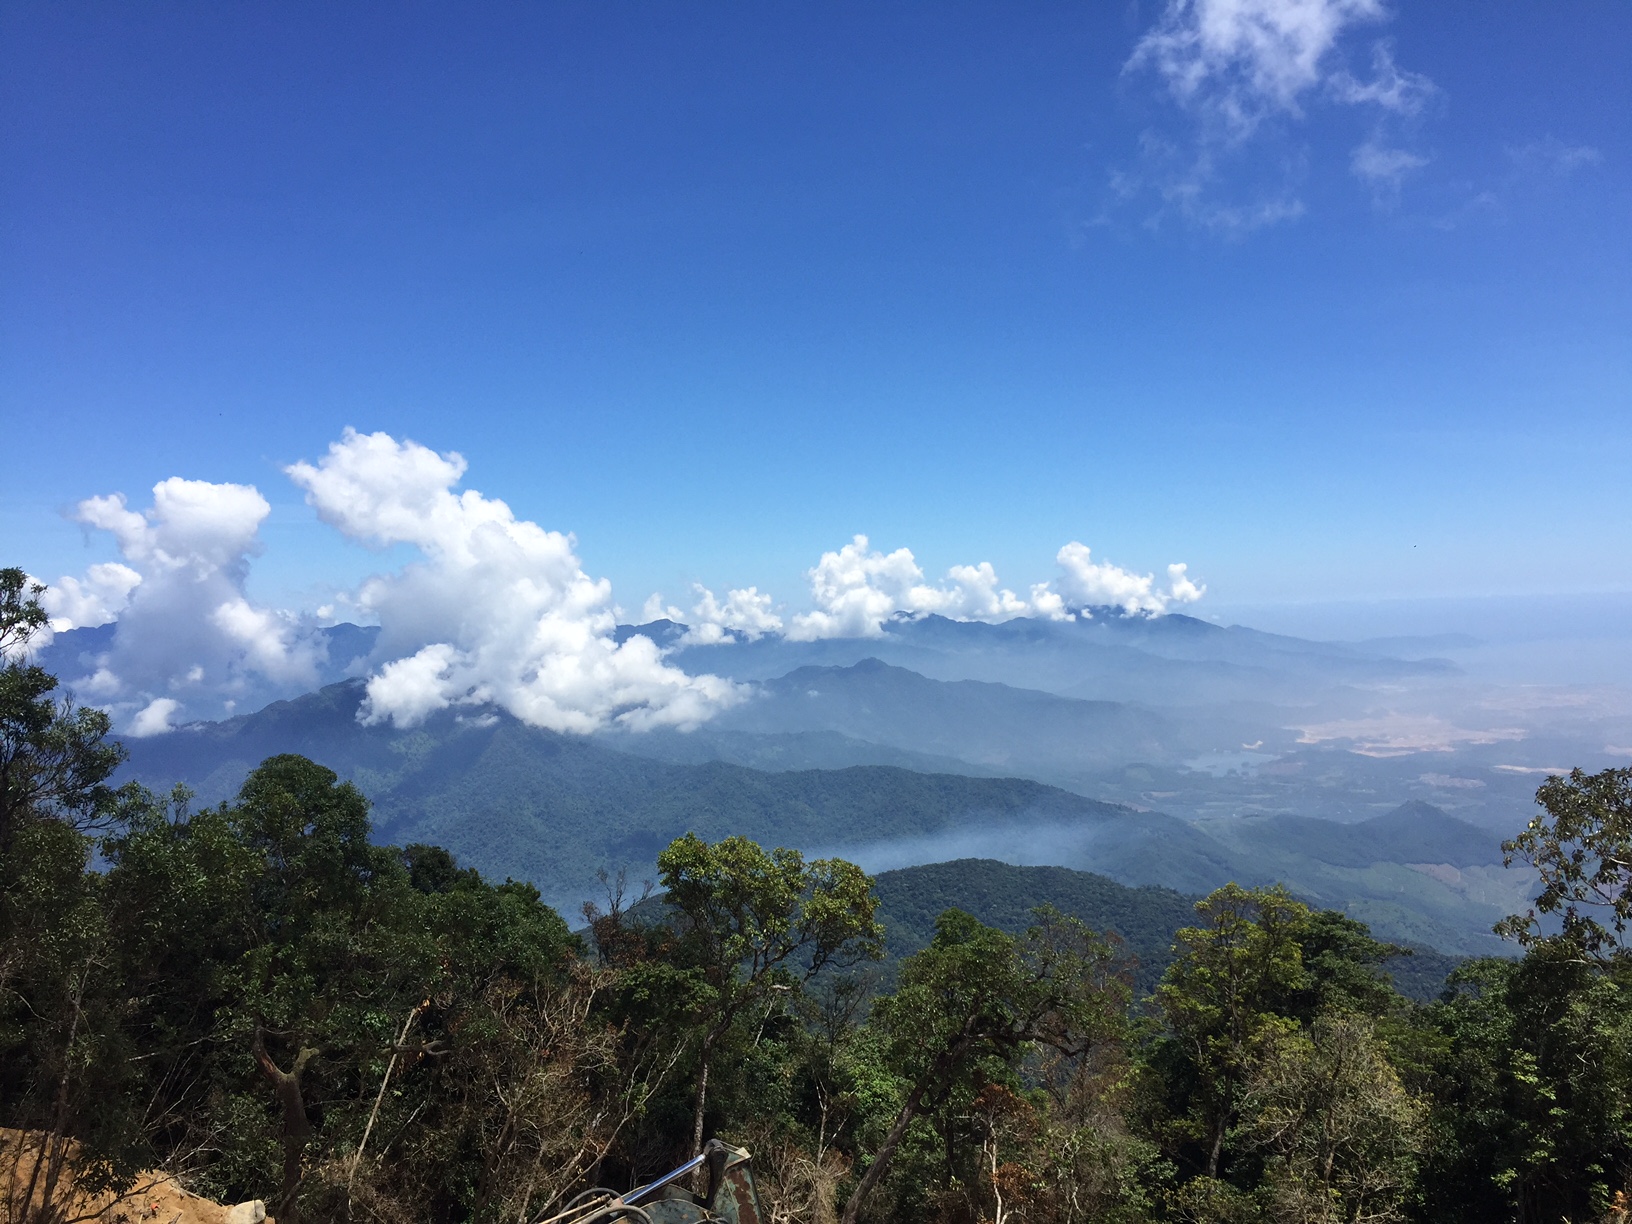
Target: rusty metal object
[{"x": 731, "y": 1197}]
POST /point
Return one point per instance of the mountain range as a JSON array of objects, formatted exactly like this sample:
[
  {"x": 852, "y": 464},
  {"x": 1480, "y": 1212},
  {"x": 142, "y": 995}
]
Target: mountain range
[{"x": 519, "y": 801}]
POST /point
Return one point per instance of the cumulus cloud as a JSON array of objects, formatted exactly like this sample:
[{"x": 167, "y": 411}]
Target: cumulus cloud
[
  {"x": 1086, "y": 583},
  {"x": 496, "y": 612},
  {"x": 1231, "y": 66},
  {"x": 153, "y": 718},
  {"x": 1181, "y": 588},
  {"x": 857, "y": 588},
  {"x": 499, "y": 610},
  {"x": 187, "y": 637},
  {"x": 743, "y": 615},
  {"x": 96, "y": 599}
]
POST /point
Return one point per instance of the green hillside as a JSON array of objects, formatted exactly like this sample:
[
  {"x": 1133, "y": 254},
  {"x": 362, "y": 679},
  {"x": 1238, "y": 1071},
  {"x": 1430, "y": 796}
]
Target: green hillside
[
  {"x": 1416, "y": 874},
  {"x": 519, "y": 801},
  {"x": 1004, "y": 896},
  {"x": 1145, "y": 918}
]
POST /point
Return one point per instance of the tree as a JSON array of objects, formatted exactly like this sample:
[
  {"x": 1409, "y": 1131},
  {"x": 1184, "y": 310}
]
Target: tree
[
  {"x": 66, "y": 1068},
  {"x": 63, "y": 1067},
  {"x": 55, "y": 759},
  {"x": 333, "y": 953},
  {"x": 1342, "y": 968},
  {"x": 21, "y": 615},
  {"x": 1581, "y": 844},
  {"x": 1222, "y": 1002},
  {"x": 1532, "y": 1088},
  {"x": 976, "y": 993},
  {"x": 752, "y": 925},
  {"x": 409, "y": 1039},
  {"x": 1342, "y": 1132},
  {"x": 176, "y": 894}
]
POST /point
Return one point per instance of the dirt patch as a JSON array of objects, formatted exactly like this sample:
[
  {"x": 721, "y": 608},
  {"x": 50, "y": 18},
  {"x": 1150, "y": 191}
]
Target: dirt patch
[{"x": 154, "y": 1198}]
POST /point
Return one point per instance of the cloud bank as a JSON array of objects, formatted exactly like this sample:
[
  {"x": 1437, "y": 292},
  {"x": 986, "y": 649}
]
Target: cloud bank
[
  {"x": 496, "y": 611},
  {"x": 857, "y": 590}
]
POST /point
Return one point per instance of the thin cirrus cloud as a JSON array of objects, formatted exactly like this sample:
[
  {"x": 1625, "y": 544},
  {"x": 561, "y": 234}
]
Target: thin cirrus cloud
[
  {"x": 1384, "y": 169},
  {"x": 1236, "y": 69},
  {"x": 1551, "y": 156},
  {"x": 496, "y": 611}
]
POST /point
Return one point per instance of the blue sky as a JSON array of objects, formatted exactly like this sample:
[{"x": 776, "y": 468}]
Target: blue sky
[{"x": 717, "y": 287}]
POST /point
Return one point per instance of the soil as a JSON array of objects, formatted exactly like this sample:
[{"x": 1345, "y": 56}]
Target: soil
[{"x": 154, "y": 1198}]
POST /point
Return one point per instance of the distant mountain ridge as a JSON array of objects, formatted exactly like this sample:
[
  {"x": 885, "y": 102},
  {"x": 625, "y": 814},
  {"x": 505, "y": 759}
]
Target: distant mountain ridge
[
  {"x": 982, "y": 722},
  {"x": 1414, "y": 832},
  {"x": 519, "y": 801},
  {"x": 1169, "y": 659}
]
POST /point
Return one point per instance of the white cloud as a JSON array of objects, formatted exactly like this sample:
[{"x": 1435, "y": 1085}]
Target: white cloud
[
  {"x": 1192, "y": 198},
  {"x": 153, "y": 718},
  {"x": 187, "y": 635},
  {"x": 194, "y": 526},
  {"x": 1049, "y": 604},
  {"x": 1233, "y": 65},
  {"x": 1181, "y": 587},
  {"x": 496, "y": 611},
  {"x": 1391, "y": 88},
  {"x": 975, "y": 595},
  {"x": 499, "y": 610},
  {"x": 1238, "y": 61},
  {"x": 97, "y": 599},
  {"x": 857, "y": 589},
  {"x": 654, "y": 609},
  {"x": 744, "y": 614},
  {"x": 1085, "y": 583},
  {"x": 275, "y": 644}
]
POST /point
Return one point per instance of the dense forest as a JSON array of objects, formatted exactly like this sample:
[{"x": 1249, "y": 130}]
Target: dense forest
[{"x": 263, "y": 999}]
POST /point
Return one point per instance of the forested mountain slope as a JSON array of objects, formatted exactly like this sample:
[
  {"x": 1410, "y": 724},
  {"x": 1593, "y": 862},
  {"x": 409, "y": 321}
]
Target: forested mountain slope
[
  {"x": 518, "y": 801},
  {"x": 1144, "y": 919}
]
